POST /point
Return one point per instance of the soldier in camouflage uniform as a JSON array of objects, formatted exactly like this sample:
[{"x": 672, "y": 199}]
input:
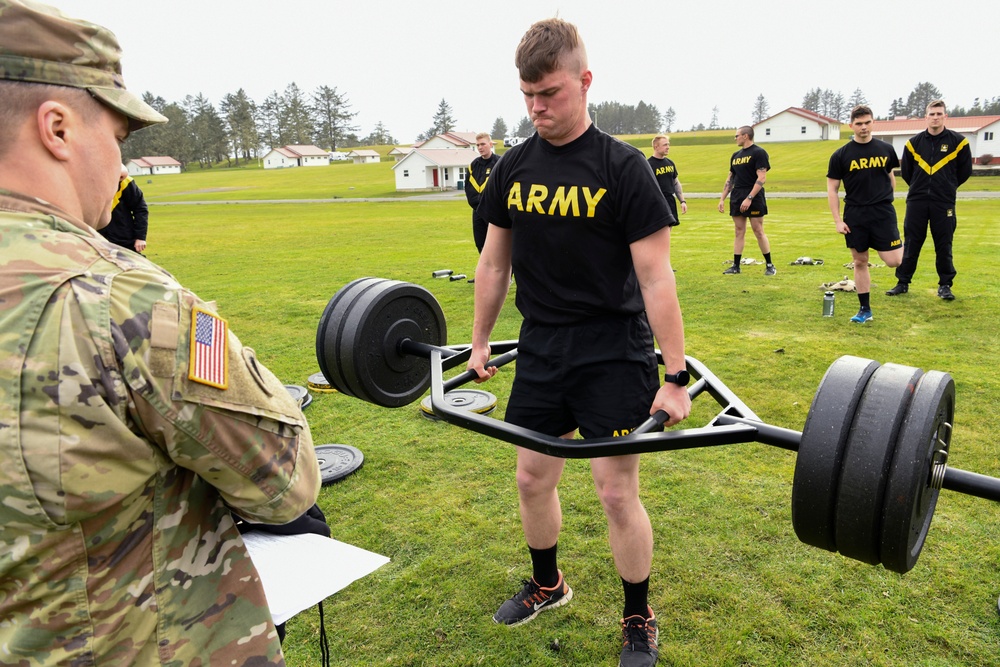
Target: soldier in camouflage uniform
[{"x": 122, "y": 453}]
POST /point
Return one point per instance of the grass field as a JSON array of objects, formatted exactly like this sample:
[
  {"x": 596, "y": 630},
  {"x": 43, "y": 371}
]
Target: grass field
[
  {"x": 795, "y": 167},
  {"x": 731, "y": 584}
]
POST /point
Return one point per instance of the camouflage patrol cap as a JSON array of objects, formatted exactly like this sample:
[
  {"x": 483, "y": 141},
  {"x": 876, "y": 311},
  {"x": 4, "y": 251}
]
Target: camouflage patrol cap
[{"x": 39, "y": 44}]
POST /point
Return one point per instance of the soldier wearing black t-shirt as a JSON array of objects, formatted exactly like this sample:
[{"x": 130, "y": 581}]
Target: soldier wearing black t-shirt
[
  {"x": 666, "y": 175},
  {"x": 475, "y": 181},
  {"x": 748, "y": 169},
  {"x": 865, "y": 166},
  {"x": 579, "y": 216}
]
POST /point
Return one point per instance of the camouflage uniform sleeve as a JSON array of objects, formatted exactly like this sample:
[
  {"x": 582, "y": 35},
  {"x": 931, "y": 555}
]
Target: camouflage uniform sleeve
[{"x": 249, "y": 439}]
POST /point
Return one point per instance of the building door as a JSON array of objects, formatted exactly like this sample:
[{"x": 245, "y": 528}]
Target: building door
[{"x": 435, "y": 172}]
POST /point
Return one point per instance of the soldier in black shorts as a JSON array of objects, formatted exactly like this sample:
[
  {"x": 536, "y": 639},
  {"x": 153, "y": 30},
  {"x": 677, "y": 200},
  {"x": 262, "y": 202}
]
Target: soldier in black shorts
[
  {"x": 865, "y": 166},
  {"x": 748, "y": 169},
  {"x": 666, "y": 175},
  {"x": 579, "y": 216}
]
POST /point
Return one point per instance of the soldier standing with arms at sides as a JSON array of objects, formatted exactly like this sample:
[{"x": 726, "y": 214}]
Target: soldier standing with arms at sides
[
  {"x": 748, "y": 169},
  {"x": 666, "y": 175},
  {"x": 578, "y": 216},
  {"x": 479, "y": 174},
  {"x": 865, "y": 166},
  {"x": 935, "y": 163},
  {"x": 133, "y": 423}
]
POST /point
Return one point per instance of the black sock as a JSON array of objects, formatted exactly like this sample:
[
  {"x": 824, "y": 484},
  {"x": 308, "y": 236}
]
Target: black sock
[
  {"x": 865, "y": 300},
  {"x": 736, "y": 260},
  {"x": 636, "y": 598},
  {"x": 543, "y": 565},
  {"x": 767, "y": 258}
]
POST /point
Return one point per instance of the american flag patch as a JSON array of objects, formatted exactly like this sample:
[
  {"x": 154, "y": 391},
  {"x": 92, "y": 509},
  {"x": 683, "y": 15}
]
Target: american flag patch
[{"x": 208, "y": 349}]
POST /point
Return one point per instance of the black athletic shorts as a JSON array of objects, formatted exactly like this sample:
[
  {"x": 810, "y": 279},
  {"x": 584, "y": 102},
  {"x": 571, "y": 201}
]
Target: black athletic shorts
[
  {"x": 600, "y": 377},
  {"x": 672, "y": 203},
  {"x": 758, "y": 205},
  {"x": 872, "y": 227}
]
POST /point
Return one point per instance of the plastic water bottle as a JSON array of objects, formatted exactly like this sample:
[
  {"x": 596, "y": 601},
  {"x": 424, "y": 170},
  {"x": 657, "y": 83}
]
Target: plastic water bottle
[{"x": 828, "y": 304}]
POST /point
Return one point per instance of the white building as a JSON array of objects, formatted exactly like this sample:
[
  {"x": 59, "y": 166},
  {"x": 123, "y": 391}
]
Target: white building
[
  {"x": 365, "y": 156},
  {"x": 983, "y": 133},
  {"x": 296, "y": 155},
  {"x": 795, "y": 124},
  {"x": 399, "y": 152},
  {"x": 150, "y": 166},
  {"x": 449, "y": 140},
  {"x": 433, "y": 168}
]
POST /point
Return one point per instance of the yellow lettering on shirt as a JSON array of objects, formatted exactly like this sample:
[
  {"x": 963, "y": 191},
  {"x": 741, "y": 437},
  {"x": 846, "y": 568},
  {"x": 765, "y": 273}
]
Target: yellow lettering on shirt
[
  {"x": 536, "y": 199},
  {"x": 514, "y": 197},
  {"x": 564, "y": 201},
  {"x": 869, "y": 163}
]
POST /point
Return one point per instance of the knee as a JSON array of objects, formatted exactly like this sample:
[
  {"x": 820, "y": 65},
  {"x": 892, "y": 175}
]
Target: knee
[
  {"x": 617, "y": 500},
  {"x": 532, "y": 485}
]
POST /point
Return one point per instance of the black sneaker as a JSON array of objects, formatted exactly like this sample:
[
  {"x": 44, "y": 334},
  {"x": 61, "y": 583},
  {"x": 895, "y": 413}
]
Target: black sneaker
[
  {"x": 945, "y": 293},
  {"x": 531, "y": 600},
  {"x": 732, "y": 270},
  {"x": 769, "y": 270},
  {"x": 900, "y": 288},
  {"x": 639, "y": 636}
]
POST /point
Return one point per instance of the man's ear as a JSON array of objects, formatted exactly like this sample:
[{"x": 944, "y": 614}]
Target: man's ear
[
  {"x": 56, "y": 124},
  {"x": 587, "y": 78}
]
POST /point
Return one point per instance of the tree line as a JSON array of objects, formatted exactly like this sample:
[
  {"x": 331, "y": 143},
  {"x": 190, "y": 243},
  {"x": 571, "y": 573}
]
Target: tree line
[{"x": 240, "y": 128}]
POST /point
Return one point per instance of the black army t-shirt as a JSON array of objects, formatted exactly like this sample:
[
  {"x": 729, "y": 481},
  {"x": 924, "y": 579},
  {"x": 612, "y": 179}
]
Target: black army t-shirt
[
  {"x": 744, "y": 165},
  {"x": 573, "y": 210},
  {"x": 666, "y": 174},
  {"x": 864, "y": 170}
]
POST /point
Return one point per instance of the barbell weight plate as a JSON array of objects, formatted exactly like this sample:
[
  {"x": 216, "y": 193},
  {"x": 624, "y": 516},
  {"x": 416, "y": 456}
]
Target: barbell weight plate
[
  {"x": 909, "y": 499},
  {"x": 867, "y": 457},
  {"x": 473, "y": 400},
  {"x": 821, "y": 448},
  {"x": 318, "y": 383},
  {"x": 373, "y": 367},
  {"x": 298, "y": 393},
  {"x": 337, "y": 462},
  {"x": 329, "y": 330}
]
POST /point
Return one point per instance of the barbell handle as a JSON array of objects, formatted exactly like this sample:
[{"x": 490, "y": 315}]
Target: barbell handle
[
  {"x": 468, "y": 376},
  {"x": 655, "y": 420}
]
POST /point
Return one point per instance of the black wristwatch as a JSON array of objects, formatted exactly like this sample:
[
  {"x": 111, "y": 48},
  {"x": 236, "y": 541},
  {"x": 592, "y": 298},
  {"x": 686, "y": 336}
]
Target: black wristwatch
[{"x": 680, "y": 378}]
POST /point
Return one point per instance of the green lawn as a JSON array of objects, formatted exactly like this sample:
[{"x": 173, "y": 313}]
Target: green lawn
[
  {"x": 731, "y": 584},
  {"x": 795, "y": 167}
]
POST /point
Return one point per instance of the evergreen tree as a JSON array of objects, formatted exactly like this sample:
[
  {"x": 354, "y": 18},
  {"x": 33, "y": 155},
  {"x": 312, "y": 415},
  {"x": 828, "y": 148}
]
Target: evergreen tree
[
  {"x": 525, "y": 128},
  {"x": 759, "y": 109},
  {"x": 296, "y": 119},
  {"x": 669, "y": 118},
  {"x": 238, "y": 110},
  {"x": 499, "y": 130},
  {"x": 443, "y": 120},
  {"x": 332, "y": 117},
  {"x": 714, "y": 124}
]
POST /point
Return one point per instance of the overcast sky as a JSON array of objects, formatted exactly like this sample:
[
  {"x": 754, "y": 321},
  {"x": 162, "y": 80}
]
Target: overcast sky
[{"x": 395, "y": 60}]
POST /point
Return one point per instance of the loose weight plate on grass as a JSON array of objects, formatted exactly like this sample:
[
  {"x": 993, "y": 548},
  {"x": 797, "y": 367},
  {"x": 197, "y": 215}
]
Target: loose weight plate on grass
[
  {"x": 300, "y": 395},
  {"x": 338, "y": 461}
]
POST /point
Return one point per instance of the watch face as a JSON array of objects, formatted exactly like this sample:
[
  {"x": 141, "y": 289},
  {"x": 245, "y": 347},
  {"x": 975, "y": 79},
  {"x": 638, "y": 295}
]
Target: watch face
[{"x": 679, "y": 378}]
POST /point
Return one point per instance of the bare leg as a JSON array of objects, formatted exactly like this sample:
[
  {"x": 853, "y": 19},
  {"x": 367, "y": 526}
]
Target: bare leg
[
  {"x": 757, "y": 225},
  {"x": 741, "y": 232},
  {"x": 629, "y": 530}
]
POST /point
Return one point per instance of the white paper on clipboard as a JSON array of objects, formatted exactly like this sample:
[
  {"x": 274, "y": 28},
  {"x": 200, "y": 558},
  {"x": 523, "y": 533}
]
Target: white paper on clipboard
[{"x": 298, "y": 571}]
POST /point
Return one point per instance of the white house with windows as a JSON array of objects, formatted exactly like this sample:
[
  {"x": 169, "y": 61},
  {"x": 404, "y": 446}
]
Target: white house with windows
[
  {"x": 983, "y": 133},
  {"x": 433, "y": 168},
  {"x": 449, "y": 140},
  {"x": 399, "y": 152},
  {"x": 795, "y": 124},
  {"x": 365, "y": 156},
  {"x": 151, "y": 166},
  {"x": 296, "y": 156}
]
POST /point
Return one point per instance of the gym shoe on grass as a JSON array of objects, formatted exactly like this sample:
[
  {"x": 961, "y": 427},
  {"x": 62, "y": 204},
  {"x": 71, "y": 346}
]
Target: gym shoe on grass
[
  {"x": 732, "y": 270},
  {"x": 769, "y": 270},
  {"x": 531, "y": 600},
  {"x": 900, "y": 288},
  {"x": 863, "y": 316},
  {"x": 945, "y": 293},
  {"x": 639, "y": 636}
]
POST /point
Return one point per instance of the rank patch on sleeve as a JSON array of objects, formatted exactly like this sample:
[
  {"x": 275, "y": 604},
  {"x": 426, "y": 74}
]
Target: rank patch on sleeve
[{"x": 208, "y": 349}]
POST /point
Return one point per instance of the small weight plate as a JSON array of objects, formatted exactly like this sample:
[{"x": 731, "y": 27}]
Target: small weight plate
[
  {"x": 298, "y": 393},
  {"x": 306, "y": 402},
  {"x": 472, "y": 400},
  {"x": 867, "y": 457},
  {"x": 821, "y": 448},
  {"x": 909, "y": 499},
  {"x": 318, "y": 383},
  {"x": 338, "y": 461}
]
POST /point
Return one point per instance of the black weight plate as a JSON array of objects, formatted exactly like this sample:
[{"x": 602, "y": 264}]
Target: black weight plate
[
  {"x": 338, "y": 461},
  {"x": 373, "y": 367},
  {"x": 298, "y": 393},
  {"x": 909, "y": 499},
  {"x": 330, "y": 327},
  {"x": 867, "y": 457},
  {"x": 821, "y": 448}
]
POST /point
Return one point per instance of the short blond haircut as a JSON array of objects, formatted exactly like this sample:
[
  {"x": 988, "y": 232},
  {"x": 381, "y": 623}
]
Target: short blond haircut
[
  {"x": 483, "y": 135},
  {"x": 658, "y": 137},
  {"x": 548, "y": 46},
  {"x": 936, "y": 103}
]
